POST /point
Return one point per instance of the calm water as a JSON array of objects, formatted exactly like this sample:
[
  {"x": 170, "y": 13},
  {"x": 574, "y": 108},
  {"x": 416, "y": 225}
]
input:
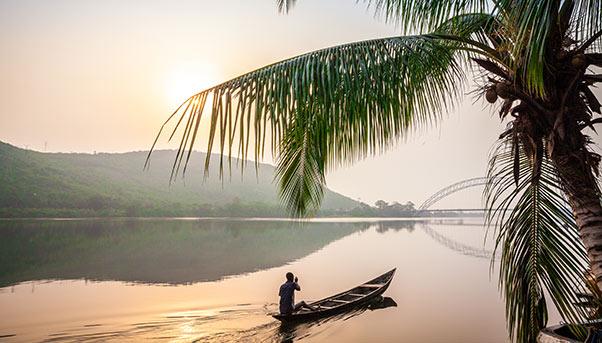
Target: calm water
[{"x": 216, "y": 280}]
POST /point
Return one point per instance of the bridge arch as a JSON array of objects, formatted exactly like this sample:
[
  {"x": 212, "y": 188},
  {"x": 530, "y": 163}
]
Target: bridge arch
[
  {"x": 444, "y": 240},
  {"x": 453, "y": 188},
  {"x": 462, "y": 248}
]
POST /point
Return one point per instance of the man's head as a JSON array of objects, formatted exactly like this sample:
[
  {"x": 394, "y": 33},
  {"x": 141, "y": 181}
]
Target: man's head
[{"x": 290, "y": 276}]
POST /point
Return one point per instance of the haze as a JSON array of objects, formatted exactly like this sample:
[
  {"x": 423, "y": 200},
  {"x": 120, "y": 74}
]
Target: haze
[{"x": 85, "y": 76}]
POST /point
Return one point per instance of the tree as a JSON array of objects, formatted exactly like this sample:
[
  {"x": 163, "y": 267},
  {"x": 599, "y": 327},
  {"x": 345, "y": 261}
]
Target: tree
[
  {"x": 531, "y": 58},
  {"x": 381, "y": 204}
]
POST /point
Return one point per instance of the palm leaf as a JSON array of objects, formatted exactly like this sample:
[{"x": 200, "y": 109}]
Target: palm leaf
[
  {"x": 425, "y": 15},
  {"x": 541, "y": 253},
  {"x": 300, "y": 169},
  {"x": 587, "y": 20},
  {"x": 285, "y": 5},
  {"x": 527, "y": 24},
  {"x": 367, "y": 95},
  {"x": 533, "y": 24}
]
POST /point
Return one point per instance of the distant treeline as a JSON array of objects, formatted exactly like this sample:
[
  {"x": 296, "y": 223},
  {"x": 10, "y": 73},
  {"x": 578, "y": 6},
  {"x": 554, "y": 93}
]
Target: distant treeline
[
  {"x": 396, "y": 210},
  {"x": 234, "y": 209},
  {"x": 383, "y": 209},
  {"x": 105, "y": 208}
]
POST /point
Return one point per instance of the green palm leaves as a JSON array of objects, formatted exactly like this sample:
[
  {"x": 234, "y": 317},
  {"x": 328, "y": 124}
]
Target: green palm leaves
[
  {"x": 541, "y": 253},
  {"x": 301, "y": 164},
  {"x": 425, "y": 15},
  {"x": 355, "y": 99},
  {"x": 529, "y": 25},
  {"x": 534, "y": 27}
]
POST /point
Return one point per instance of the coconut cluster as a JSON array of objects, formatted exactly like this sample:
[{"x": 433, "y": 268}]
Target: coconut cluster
[{"x": 499, "y": 89}]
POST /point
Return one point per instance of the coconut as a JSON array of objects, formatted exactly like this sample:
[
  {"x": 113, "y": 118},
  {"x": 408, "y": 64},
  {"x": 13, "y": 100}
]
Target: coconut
[
  {"x": 491, "y": 95},
  {"x": 561, "y": 55},
  {"x": 503, "y": 90},
  {"x": 578, "y": 61}
]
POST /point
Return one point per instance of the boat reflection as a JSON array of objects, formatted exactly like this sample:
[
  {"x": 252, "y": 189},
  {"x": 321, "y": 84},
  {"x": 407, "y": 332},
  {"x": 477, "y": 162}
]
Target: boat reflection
[{"x": 289, "y": 332}]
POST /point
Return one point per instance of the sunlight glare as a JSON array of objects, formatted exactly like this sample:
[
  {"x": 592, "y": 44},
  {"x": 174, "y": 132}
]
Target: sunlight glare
[{"x": 185, "y": 80}]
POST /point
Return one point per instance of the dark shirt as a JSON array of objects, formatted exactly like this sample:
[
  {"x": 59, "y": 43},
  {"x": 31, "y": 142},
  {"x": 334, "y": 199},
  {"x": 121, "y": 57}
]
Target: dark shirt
[{"x": 287, "y": 296}]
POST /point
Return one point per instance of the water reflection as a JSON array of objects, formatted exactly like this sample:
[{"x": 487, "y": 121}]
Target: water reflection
[
  {"x": 176, "y": 252},
  {"x": 429, "y": 227},
  {"x": 435, "y": 284},
  {"x": 197, "y": 323},
  {"x": 384, "y": 226},
  {"x": 460, "y": 247},
  {"x": 160, "y": 251},
  {"x": 288, "y": 332}
]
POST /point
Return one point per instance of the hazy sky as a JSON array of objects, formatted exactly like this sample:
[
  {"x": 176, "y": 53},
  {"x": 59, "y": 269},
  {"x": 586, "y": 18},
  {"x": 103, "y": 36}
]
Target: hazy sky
[{"x": 86, "y": 76}]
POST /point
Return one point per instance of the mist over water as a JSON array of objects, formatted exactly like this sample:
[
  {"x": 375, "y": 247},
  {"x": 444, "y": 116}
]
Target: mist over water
[{"x": 217, "y": 280}]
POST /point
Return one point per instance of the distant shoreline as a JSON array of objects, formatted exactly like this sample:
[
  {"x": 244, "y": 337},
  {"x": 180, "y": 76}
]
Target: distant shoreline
[{"x": 193, "y": 218}]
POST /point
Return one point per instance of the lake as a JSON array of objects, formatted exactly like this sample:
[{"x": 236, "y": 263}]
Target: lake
[{"x": 214, "y": 280}]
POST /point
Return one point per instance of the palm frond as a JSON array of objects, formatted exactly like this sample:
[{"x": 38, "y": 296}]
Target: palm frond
[
  {"x": 531, "y": 24},
  {"x": 367, "y": 95},
  {"x": 425, "y": 15},
  {"x": 534, "y": 27},
  {"x": 478, "y": 25},
  {"x": 300, "y": 167},
  {"x": 587, "y": 20},
  {"x": 541, "y": 253},
  {"x": 478, "y": 32},
  {"x": 285, "y": 5}
]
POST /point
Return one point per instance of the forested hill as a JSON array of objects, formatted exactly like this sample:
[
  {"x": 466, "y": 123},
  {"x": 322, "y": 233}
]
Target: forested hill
[{"x": 34, "y": 184}]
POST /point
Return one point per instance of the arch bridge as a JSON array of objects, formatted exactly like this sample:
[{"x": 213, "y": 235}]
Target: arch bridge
[
  {"x": 451, "y": 189},
  {"x": 479, "y": 252}
]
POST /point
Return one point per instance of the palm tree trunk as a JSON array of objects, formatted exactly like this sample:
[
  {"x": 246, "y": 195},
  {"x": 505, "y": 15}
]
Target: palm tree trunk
[{"x": 584, "y": 198}]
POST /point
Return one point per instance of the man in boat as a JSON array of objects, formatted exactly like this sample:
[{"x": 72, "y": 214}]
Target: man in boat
[{"x": 287, "y": 296}]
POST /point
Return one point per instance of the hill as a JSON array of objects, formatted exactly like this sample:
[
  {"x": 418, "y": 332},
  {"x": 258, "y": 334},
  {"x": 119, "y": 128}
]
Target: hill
[{"x": 34, "y": 184}]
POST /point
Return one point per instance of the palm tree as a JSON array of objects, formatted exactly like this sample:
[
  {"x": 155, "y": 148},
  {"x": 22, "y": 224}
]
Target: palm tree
[{"x": 532, "y": 59}]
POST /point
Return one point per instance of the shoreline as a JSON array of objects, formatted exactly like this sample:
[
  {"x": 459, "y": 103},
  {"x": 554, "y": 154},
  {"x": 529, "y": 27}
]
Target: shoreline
[{"x": 186, "y": 218}]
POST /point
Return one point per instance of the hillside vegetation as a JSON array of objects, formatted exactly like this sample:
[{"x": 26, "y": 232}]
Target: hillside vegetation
[{"x": 34, "y": 184}]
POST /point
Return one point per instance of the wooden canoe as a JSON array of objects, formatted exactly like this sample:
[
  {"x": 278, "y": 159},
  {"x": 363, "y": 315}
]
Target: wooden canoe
[{"x": 342, "y": 302}]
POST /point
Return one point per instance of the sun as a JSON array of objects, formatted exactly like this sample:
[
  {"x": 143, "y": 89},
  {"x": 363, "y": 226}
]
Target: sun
[{"x": 184, "y": 80}]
